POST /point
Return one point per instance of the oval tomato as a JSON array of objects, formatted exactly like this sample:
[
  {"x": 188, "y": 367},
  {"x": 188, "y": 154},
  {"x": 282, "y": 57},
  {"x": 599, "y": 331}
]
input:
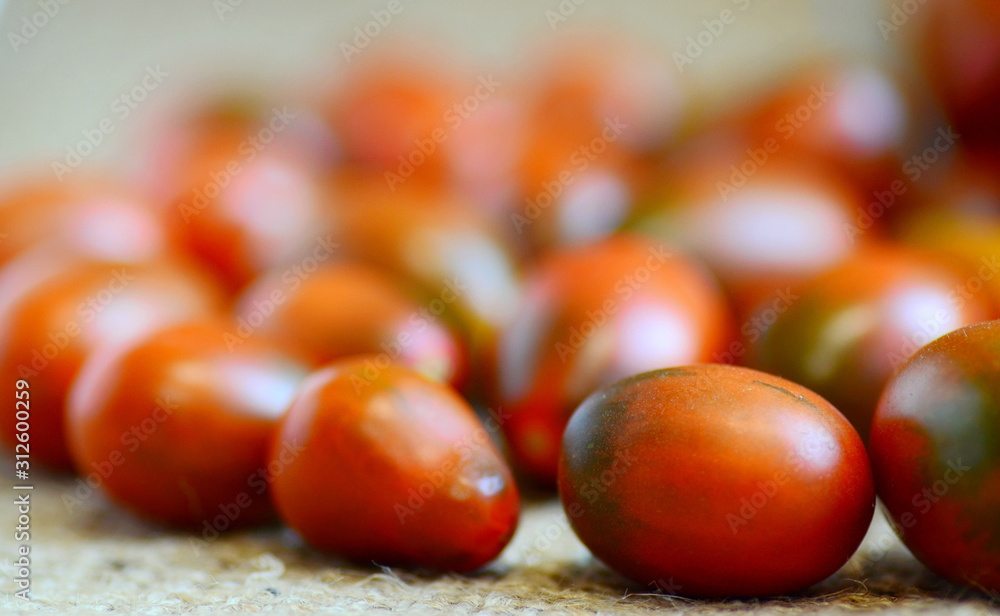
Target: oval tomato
[
  {"x": 392, "y": 468},
  {"x": 935, "y": 448},
  {"x": 178, "y": 423},
  {"x": 716, "y": 481}
]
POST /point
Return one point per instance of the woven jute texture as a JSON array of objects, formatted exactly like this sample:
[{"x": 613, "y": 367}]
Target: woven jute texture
[{"x": 100, "y": 560}]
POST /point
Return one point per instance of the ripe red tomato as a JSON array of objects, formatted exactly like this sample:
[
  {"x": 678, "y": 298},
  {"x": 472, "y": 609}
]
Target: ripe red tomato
[
  {"x": 177, "y": 424},
  {"x": 960, "y": 50},
  {"x": 759, "y": 226},
  {"x": 716, "y": 481},
  {"x": 347, "y": 309},
  {"x": 934, "y": 448},
  {"x": 249, "y": 212},
  {"x": 394, "y": 469},
  {"x": 591, "y": 316},
  {"x": 92, "y": 217},
  {"x": 56, "y": 310},
  {"x": 844, "y": 333}
]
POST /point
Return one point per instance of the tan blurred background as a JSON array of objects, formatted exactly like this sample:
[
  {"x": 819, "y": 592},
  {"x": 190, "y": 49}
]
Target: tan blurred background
[{"x": 64, "y": 78}]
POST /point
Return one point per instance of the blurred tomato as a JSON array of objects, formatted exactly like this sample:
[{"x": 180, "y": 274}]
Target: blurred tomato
[
  {"x": 845, "y": 332},
  {"x": 344, "y": 309},
  {"x": 586, "y": 83},
  {"x": 960, "y": 49},
  {"x": 593, "y": 315},
  {"x": 249, "y": 213},
  {"x": 936, "y": 455},
  {"x": 55, "y": 310},
  {"x": 93, "y": 217},
  {"x": 392, "y": 469},
  {"x": 177, "y": 424},
  {"x": 433, "y": 240},
  {"x": 725, "y": 481},
  {"x": 761, "y": 224}
]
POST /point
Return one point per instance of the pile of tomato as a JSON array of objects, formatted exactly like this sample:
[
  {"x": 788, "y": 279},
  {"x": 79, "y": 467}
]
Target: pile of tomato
[{"x": 370, "y": 315}]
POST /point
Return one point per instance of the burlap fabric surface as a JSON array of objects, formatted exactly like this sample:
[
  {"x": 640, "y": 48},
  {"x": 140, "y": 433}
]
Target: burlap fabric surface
[{"x": 100, "y": 560}]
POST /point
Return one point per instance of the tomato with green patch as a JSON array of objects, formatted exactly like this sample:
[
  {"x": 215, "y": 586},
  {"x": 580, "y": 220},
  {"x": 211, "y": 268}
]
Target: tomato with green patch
[
  {"x": 935, "y": 448},
  {"x": 716, "y": 481}
]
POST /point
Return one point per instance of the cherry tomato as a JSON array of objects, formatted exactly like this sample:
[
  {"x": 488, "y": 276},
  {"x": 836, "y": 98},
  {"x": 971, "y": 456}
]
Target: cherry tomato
[
  {"x": 934, "y": 451},
  {"x": 249, "y": 212},
  {"x": 392, "y": 468},
  {"x": 716, "y": 481},
  {"x": 779, "y": 224},
  {"x": 347, "y": 309},
  {"x": 960, "y": 50},
  {"x": 92, "y": 217},
  {"x": 844, "y": 333},
  {"x": 177, "y": 424},
  {"x": 431, "y": 239},
  {"x": 591, "y": 316},
  {"x": 57, "y": 309}
]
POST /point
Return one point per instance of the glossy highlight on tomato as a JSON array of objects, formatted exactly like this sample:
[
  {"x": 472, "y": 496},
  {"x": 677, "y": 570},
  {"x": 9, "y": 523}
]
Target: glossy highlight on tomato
[
  {"x": 593, "y": 315},
  {"x": 721, "y": 481},
  {"x": 345, "y": 309},
  {"x": 393, "y": 469},
  {"x": 55, "y": 310},
  {"x": 177, "y": 424},
  {"x": 935, "y": 448}
]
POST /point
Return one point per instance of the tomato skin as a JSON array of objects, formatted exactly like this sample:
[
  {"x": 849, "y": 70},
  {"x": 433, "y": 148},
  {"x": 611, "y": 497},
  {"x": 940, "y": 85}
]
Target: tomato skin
[
  {"x": 345, "y": 309},
  {"x": 186, "y": 422},
  {"x": 663, "y": 476},
  {"x": 853, "y": 326},
  {"x": 92, "y": 217},
  {"x": 936, "y": 459},
  {"x": 394, "y": 469},
  {"x": 593, "y": 315},
  {"x": 56, "y": 310}
]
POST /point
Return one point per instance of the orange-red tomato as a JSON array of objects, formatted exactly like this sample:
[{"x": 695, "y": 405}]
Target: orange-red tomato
[
  {"x": 591, "y": 316},
  {"x": 716, "y": 481},
  {"x": 935, "y": 447},
  {"x": 433, "y": 240},
  {"x": 55, "y": 310},
  {"x": 92, "y": 217},
  {"x": 844, "y": 333},
  {"x": 176, "y": 425},
  {"x": 348, "y": 309},
  {"x": 960, "y": 50},
  {"x": 392, "y": 468},
  {"x": 249, "y": 212}
]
